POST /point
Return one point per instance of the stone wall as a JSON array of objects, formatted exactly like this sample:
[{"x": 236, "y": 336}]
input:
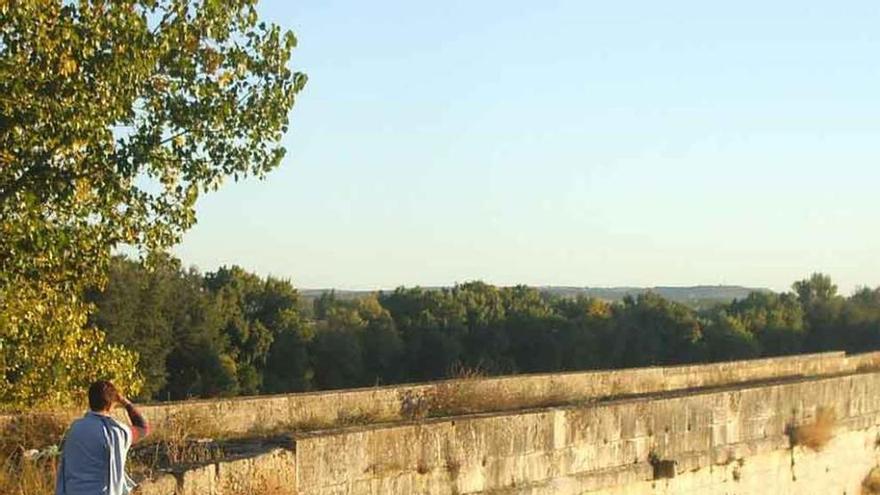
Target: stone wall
[
  {"x": 713, "y": 428},
  {"x": 728, "y": 441},
  {"x": 735, "y": 440},
  {"x": 250, "y": 415},
  {"x": 270, "y": 473}
]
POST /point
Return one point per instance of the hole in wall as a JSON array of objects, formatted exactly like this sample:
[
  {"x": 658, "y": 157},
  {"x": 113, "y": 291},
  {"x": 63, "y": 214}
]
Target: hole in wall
[{"x": 663, "y": 468}]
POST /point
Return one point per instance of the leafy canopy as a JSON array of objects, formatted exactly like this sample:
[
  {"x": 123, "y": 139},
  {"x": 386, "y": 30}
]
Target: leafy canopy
[{"x": 114, "y": 117}]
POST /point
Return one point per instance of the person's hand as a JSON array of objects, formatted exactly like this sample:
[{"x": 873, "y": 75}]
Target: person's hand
[{"x": 124, "y": 402}]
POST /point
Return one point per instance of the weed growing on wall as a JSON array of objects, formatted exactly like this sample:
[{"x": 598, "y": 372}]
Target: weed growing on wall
[{"x": 817, "y": 434}]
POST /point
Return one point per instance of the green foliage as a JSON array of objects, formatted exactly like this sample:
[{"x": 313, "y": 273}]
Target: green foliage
[
  {"x": 220, "y": 333},
  {"x": 588, "y": 329},
  {"x": 47, "y": 350},
  {"x": 823, "y": 308},
  {"x": 727, "y": 338},
  {"x": 118, "y": 114},
  {"x": 860, "y": 320},
  {"x": 137, "y": 304},
  {"x": 654, "y": 331},
  {"x": 114, "y": 118},
  {"x": 776, "y": 321},
  {"x": 413, "y": 334},
  {"x": 817, "y": 289},
  {"x": 381, "y": 343}
]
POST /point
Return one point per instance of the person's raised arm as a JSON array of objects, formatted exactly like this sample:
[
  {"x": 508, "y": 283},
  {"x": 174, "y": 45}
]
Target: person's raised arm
[{"x": 139, "y": 426}]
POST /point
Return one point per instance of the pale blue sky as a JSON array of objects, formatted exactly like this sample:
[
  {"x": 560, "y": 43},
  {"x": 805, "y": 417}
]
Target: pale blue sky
[{"x": 567, "y": 143}]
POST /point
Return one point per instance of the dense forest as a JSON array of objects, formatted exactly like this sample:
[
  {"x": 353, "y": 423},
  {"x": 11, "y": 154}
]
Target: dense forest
[{"x": 231, "y": 332}]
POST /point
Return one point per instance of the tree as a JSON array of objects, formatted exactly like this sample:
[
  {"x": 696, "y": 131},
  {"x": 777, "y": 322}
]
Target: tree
[
  {"x": 338, "y": 358},
  {"x": 822, "y": 308},
  {"x": 380, "y": 342},
  {"x": 860, "y": 317},
  {"x": 533, "y": 329},
  {"x": 654, "y": 331},
  {"x": 287, "y": 367},
  {"x": 239, "y": 295},
  {"x": 776, "y": 320},
  {"x": 257, "y": 312},
  {"x": 817, "y": 288},
  {"x": 134, "y": 311},
  {"x": 114, "y": 118},
  {"x": 201, "y": 362},
  {"x": 486, "y": 342},
  {"x": 588, "y": 323},
  {"x": 726, "y": 339},
  {"x": 433, "y": 326},
  {"x": 47, "y": 351}
]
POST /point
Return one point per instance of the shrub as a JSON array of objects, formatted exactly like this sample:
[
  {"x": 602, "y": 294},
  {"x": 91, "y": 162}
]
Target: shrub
[{"x": 816, "y": 434}]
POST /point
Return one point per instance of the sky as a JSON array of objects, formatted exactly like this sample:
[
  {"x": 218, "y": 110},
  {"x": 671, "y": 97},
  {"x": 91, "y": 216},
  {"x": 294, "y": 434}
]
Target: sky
[{"x": 579, "y": 143}]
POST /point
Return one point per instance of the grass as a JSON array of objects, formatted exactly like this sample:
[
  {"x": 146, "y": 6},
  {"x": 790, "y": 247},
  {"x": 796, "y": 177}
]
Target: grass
[
  {"x": 27, "y": 477},
  {"x": 186, "y": 438},
  {"x": 314, "y": 422},
  {"x": 356, "y": 417},
  {"x": 468, "y": 392},
  {"x": 461, "y": 396},
  {"x": 27, "y": 465},
  {"x": 31, "y": 431},
  {"x": 818, "y": 433}
]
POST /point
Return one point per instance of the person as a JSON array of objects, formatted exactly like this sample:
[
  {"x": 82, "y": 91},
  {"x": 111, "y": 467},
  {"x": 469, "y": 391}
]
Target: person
[{"x": 95, "y": 446}]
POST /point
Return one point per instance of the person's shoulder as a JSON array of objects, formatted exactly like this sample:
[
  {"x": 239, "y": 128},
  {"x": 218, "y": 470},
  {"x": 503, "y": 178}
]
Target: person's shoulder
[
  {"x": 119, "y": 425},
  {"x": 82, "y": 422},
  {"x": 115, "y": 423},
  {"x": 91, "y": 420},
  {"x": 82, "y": 426}
]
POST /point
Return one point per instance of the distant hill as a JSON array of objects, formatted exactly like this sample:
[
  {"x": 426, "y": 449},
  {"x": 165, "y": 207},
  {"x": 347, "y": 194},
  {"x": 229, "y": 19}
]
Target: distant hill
[
  {"x": 695, "y": 296},
  {"x": 698, "y": 296},
  {"x": 342, "y": 294}
]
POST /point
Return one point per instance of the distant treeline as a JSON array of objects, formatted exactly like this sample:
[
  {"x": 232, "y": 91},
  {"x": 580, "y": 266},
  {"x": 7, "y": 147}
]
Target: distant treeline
[{"x": 231, "y": 332}]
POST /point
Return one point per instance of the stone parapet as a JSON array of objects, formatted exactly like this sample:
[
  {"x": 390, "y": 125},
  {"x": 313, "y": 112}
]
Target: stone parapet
[
  {"x": 307, "y": 411},
  {"x": 665, "y": 439}
]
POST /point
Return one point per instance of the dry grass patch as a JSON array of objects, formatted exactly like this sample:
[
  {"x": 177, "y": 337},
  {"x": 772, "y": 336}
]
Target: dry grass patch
[
  {"x": 454, "y": 398},
  {"x": 356, "y": 417},
  {"x": 470, "y": 392},
  {"x": 309, "y": 423},
  {"x": 32, "y": 431},
  {"x": 28, "y": 453},
  {"x": 185, "y": 438},
  {"x": 314, "y": 422},
  {"x": 817, "y": 434},
  {"x": 27, "y": 477}
]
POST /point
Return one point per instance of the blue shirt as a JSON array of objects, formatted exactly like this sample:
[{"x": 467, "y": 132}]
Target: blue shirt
[{"x": 93, "y": 457}]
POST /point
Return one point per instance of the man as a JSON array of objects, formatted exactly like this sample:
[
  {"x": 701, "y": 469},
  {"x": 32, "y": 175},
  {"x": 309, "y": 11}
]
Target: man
[{"x": 95, "y": 447}]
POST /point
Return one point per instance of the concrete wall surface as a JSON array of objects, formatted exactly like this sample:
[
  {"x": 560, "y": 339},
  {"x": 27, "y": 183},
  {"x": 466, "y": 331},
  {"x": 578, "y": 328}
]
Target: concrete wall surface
[
  {"x": 728, "y": 441},
  {"x": 250, "y": 415},
  {"x": 839, "y": 468},
  {"x": 725, "y": 428},
  {"x": 253, "y": 415},
  {"x": 270, "y": 473}
]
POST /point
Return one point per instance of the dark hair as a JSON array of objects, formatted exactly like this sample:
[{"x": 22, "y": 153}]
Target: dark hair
[{"x": 102, "y": 395}]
